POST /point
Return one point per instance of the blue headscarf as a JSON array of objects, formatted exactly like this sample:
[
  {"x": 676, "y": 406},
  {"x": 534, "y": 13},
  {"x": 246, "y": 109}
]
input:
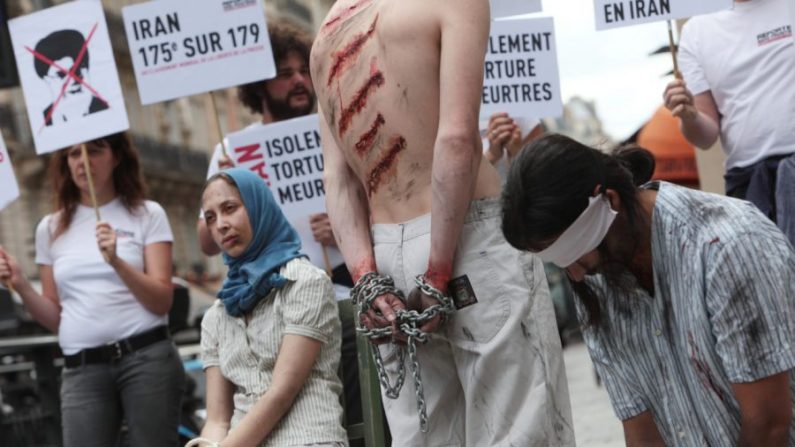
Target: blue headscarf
[{"x": 274, "y": 242}]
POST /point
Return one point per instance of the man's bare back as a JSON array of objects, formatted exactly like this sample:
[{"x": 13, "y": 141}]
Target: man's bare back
[{"x": 376, "y": 69}]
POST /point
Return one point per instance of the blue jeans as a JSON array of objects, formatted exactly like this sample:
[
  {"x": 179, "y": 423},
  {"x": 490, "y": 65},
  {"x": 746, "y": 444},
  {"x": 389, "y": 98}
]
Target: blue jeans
[
  {"x": 785, "y": 198},
  {"x": 145, "y": 387},
  {"x": 770, "y": 185}
]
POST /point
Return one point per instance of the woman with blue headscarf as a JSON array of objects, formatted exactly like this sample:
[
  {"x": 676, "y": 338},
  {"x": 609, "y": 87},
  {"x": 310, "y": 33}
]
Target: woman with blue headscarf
[{"x": 271, "y": 343}]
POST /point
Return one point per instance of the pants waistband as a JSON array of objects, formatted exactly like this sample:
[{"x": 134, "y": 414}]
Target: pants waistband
[
  {"x": 118, "y": 349},
  {"x": 419, "y": 226}
]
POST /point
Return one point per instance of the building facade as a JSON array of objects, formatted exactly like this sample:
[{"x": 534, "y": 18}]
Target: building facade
[{"x": 580, "y": 121}]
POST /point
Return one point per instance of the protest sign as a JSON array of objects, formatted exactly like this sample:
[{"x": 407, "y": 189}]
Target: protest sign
[
  {"x": 66, "y": 67},
  {"x": 9, "y": 190},
  {"x": 181, "y": 48},
  {"x": 521, "y": 70},
  {"x": 288, "y": 157},
  {"x": 618, "y": 13},
  {"x": 507, "y": 8}
]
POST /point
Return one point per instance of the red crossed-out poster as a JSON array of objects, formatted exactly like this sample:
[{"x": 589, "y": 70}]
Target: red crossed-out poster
[{"x": 68, "y": 75}]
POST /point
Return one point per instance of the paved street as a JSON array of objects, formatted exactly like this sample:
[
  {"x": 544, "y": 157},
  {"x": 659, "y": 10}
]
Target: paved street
[{"x": 595, "y": 424}]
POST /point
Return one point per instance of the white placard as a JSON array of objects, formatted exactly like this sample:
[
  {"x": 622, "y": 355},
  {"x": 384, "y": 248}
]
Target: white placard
[
  {"x": 184, "y": 47},
  {"x": 68, "y": 103},
  {"x": 9, "y": 190},
  {"x": 288, "y": 157},
  {"x": 618, "y": 13},
  {"x": 508, "y": 8},
  {"x": 521, "y": 74}
]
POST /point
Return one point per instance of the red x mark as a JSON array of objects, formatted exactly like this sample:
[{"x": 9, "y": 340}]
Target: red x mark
[{"x": 70, "y": 75}]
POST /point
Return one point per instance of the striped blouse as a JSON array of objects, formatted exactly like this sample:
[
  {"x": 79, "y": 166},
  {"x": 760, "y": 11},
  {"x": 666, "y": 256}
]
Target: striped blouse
[
  {"x": 247, "y": 355},
  {"x": 723, "y": 312}
]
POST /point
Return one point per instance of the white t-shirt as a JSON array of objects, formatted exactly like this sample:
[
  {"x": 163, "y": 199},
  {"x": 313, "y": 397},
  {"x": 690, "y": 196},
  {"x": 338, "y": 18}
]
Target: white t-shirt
[
  {"x": 310, "y": 246},
  {"x": 96, "y": 306},
  {"x": 746, "y": 58}
]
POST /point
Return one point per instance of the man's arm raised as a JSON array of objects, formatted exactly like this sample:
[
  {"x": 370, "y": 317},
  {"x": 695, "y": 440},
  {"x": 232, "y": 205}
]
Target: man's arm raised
[
  {"x": 348, "y": 211},
  {"x": 700, "y": 119},
  {"x": 457, "y": 150}
]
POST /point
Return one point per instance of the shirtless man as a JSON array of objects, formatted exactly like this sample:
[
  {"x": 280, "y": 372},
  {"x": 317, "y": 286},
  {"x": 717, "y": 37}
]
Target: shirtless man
[{"x": 399, "y": 85}]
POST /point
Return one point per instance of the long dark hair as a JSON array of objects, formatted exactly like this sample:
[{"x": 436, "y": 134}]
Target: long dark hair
[
  {"x": 128, "y": 180},
  {"x": 548, "y": 187}
]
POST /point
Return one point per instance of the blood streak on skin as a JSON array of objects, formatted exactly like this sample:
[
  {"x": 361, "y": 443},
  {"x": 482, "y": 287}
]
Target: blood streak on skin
[
  {"x": 350, "y": 52},
  {"x": 367, "y": 139},
  {"x": 438, "y": 276},
  {"x": 346, "y": 12},
  {"x": 376, "y": 177},
  {"x": 365, "y": 266},
  {"x": 373, "y": 66},
  {"x": 359, "y": 101},
  {"x": 339, "y": 96}
]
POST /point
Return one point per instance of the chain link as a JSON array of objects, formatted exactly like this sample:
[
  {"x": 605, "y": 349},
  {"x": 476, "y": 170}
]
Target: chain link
[{"x": 367, "y": 289}]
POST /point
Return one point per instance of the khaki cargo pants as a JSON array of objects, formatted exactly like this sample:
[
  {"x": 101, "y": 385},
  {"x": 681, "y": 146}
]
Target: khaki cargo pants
[{"x": 493, "y": 375}]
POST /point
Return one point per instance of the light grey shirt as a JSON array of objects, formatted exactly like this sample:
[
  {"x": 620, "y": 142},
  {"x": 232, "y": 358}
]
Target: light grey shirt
[
  {"x": 246, "y": 354},
  {"x": 723, "y": 312}
]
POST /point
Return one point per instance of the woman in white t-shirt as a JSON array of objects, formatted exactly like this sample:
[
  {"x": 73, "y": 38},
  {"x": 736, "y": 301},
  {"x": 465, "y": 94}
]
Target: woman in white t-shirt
[
  {"x": 106, "y": 292},
  {"x": 271, "y": 343}
]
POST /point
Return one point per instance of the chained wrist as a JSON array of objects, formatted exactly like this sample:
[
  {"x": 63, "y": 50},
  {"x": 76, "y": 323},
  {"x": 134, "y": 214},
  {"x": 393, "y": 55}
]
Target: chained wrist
[
  {"x": 429, "y": 288},
  {"x": 371, "y": 285},
  {"x": 436, "y": 293},
  {"x": 436, "y": 281},
  {"x": 438, "y": 273}
]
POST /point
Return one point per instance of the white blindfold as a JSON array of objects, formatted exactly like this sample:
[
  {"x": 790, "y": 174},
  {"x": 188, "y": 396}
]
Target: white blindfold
[{"x": 582, "y": 236}]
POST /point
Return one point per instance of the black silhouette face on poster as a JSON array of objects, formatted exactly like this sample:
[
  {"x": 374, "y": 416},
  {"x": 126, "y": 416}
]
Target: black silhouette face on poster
[{"x": 62, "y": 50}]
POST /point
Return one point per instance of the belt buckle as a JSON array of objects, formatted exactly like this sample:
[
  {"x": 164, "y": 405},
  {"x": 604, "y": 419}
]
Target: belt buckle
[{"x": 117, "y": 353}]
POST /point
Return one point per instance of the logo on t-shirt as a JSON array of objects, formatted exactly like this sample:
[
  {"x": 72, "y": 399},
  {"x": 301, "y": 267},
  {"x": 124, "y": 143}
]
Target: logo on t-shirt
[
  {"x": 231, "y": 5},
  {"x": 124, "y": 234},
  {"x": 782, "y": 32}
]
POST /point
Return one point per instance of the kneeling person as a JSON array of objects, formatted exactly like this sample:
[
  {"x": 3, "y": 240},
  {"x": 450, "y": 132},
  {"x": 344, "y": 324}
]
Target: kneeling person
[
  {"x": 271, "y": 344},
  {"x": 688, "y": 298}
]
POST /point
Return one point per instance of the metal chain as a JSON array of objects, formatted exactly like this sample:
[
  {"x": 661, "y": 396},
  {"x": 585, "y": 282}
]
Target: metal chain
[
  {"x": 419, "y": 391},
  {"x": 367, "y": 289}
]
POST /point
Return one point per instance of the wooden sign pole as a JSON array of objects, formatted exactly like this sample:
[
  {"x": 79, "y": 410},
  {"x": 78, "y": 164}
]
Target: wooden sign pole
[
  {"x": 91, "y": 192},
  {"x": 218, "y": 125},
  {"x": 326, "y": 261},
  {"x": 672, "y": 46},
  {"x": 87, "y": 167}
]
